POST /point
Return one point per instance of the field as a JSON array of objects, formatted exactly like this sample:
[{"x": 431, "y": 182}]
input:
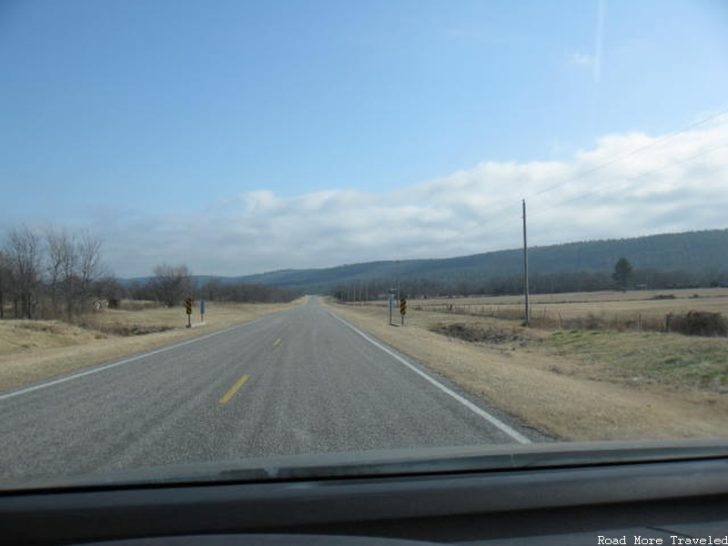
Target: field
[
  {"x": 34, "y": 350},
  {"x": 646, "y": 307},
  {"x": 574, "y": 383}
]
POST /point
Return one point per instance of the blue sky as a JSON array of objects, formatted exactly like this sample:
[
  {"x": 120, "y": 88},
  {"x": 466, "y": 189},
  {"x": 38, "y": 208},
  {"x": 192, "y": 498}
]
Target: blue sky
[{"x": 134, "y": 118}]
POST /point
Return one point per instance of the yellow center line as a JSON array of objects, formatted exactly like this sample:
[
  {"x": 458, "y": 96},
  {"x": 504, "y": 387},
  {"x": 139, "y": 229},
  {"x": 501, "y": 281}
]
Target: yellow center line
[
  {"x": 235, "y": 388},
  {"x": 277, "y": 342}
]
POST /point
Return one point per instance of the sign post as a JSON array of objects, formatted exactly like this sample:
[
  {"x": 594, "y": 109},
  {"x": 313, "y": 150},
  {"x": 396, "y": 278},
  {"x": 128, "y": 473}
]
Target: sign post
[
  {"x": 202, "y": 310},
  {"x": 391, "y": 307},
  {"x": 188, "y": 310},
  {"x": 403, "y": 308}
]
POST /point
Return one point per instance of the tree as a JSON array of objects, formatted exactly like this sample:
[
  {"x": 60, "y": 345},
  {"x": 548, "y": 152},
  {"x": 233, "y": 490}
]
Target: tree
[
  {"x": 73, "y": 265},
  {"x": 622, "y": 273},
  {"x": 108, "y": 287},
  {"x": 61, "y": 265},
  {"x": 24, "y": 250},
  {"x": 88, "y": 250},
  {"x": 212, "y": 290},
  {"x": 171, "y": 283},
  {"x": 6, "y": 280}
]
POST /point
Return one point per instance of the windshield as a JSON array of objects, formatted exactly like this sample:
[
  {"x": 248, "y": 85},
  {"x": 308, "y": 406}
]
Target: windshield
[{"x": 238, "y": 231}]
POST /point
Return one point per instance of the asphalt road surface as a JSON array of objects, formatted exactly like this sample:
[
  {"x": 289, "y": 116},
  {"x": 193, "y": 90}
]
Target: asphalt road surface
[{"x": 300, "y": 381}]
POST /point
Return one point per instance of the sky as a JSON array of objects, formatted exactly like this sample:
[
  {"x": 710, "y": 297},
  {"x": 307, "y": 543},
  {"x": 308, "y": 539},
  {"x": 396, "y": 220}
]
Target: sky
[{"x": 241, "y": 137}]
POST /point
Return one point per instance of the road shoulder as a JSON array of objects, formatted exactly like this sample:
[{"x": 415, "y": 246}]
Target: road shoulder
[{"x": 566, "y": 407}]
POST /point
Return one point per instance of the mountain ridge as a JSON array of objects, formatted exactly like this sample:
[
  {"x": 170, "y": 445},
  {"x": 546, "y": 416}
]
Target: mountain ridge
[{"x": 690, "y": 252}]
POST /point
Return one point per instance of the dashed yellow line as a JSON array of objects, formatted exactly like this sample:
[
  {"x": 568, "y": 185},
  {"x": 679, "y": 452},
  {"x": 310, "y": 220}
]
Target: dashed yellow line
[
  {"x": 277, "y": 342},
  {"x": 235, "y": 388}
]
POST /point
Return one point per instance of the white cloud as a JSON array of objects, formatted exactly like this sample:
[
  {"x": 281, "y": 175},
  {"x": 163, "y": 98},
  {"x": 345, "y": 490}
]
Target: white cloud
[{"x": 627, "y": 185}]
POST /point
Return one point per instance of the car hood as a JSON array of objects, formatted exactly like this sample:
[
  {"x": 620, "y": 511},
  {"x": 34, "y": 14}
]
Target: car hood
[{"x": 380, "y": 463}]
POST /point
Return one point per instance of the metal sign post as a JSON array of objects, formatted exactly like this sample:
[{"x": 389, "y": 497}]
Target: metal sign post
[
  {"x": 202, "y": 310},
  {"x": 391, "y": 307}
]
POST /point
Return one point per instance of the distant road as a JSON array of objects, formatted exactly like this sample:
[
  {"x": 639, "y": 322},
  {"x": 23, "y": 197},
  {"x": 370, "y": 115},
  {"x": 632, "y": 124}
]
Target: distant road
[{"x": 300, "y": 381}]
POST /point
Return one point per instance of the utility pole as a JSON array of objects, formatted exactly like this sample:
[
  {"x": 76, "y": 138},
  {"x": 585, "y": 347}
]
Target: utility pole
[
  {"x": 391, "y": 304},
  {"x": 525, "y": 266}
]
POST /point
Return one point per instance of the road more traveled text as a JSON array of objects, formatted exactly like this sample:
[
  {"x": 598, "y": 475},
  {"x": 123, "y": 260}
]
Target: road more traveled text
[{"x": 674, "y": 539}]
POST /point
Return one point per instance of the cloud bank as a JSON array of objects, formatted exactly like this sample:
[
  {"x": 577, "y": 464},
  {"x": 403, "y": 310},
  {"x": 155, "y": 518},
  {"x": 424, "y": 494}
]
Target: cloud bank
[{"x": 627, "y": 185}]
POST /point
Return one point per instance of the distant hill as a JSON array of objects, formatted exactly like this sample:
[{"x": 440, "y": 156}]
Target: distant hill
[{"x": 690, "y": 252}]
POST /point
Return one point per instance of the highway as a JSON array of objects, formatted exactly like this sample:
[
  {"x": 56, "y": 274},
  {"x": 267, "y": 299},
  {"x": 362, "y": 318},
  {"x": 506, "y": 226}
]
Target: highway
[{"x": 299, "y": 381}]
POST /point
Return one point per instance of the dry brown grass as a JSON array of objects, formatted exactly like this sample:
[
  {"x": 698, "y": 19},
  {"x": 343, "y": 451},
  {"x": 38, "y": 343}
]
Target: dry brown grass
[
  {"x": 609, "y": 307},
  {"x": 35, "y": 350},
  {"x": 570, "y": 392}
]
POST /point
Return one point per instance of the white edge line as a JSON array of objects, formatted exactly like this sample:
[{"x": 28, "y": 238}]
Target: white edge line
[
  {"x": 124, "y": 361},
  {"x": 500, "y": 425}
]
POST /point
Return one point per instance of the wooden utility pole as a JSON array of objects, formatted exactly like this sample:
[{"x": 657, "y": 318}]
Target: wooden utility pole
[{"x": 525, "y": 268}]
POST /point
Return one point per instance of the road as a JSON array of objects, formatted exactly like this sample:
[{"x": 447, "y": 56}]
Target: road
[{"x": 299, "y": 381}]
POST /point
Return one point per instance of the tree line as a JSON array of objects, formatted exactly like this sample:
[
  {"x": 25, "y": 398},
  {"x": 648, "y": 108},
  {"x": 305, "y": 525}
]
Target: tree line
[
  {"x": 171, "y": 284},
  {"x": 50, "y": 274},
  {"x": 624, "y": 277}
]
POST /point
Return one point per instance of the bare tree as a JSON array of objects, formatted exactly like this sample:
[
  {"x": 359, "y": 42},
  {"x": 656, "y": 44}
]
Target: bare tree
[
  {"x": 81, "y": 268},
  {"x": 109, "y": 288},
  {"x": 90, "y": 269},
  {"x": 212, "y": 289},
  {"x": 171, "y": 283},
  {"x": 24, "y": 249},
  {"x": 6, "y": 280},
  {"x": 61, "y": 265}
]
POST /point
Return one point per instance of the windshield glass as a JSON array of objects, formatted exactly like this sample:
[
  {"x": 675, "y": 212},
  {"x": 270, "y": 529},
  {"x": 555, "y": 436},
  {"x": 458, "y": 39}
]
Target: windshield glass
[{"x": 238, "y": 231}]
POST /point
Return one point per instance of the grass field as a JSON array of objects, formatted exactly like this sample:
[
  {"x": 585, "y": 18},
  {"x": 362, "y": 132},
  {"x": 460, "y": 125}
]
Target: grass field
[
  {"x": 573, "y": 383},
  {"x": 34, "y": 350},
  {"x": 632, "y": 307}
]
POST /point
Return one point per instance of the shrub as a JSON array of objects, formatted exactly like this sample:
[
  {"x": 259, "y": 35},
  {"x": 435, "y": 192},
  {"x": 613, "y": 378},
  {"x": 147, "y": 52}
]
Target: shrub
[{"x": 697, "y": 323}]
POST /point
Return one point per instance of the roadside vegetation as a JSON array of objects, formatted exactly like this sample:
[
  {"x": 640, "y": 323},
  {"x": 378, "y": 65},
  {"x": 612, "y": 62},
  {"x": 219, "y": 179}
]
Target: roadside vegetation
[{"x": 672, "y": 359}]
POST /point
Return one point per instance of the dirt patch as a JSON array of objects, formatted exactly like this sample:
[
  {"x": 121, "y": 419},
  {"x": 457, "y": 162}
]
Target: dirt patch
[
  {"x": 478, "y": 334},
  {"x": 118, "y": 329}
]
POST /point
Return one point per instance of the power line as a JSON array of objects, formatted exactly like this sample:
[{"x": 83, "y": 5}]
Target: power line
[
  {"x": 630, "y": 178},
  {"x": 614, "y": 159},
  {"x": 631, "y": 153},
  {"x": 507, "y": 227}
]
